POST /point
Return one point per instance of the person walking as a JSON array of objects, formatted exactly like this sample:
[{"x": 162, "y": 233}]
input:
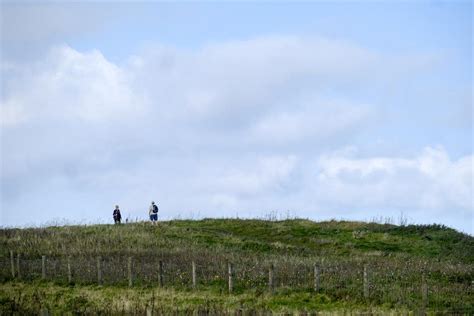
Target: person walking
[
  {"x": 117, "y": 215},
  {"x": 153, "y": 212}
]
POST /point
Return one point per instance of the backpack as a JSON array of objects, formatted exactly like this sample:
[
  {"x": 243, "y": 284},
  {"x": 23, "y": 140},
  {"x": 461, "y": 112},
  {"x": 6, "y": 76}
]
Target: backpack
[{"x": 155, "y": 209}]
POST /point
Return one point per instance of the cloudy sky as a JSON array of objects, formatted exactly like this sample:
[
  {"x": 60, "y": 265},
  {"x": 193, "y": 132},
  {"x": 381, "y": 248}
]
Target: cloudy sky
[{"x": 355, "y": 110}]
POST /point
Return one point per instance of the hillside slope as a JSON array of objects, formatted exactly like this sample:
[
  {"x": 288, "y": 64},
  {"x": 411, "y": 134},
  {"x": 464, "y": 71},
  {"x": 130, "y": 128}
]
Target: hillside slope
[
  {"x": 257, "y": 237},
  {"x": 280, "y": 266}
]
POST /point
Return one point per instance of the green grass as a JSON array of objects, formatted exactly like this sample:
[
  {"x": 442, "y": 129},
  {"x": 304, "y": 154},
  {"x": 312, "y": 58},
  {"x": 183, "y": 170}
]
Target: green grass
[
  {"x": 33, "y": 297},
  {"x": 289, "y": 237},
  {"x": 397, "y": 256}
]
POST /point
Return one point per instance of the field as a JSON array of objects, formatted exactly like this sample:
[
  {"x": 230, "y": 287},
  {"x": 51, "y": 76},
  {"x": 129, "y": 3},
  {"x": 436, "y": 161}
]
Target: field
[{"x": 235, "y": 266}]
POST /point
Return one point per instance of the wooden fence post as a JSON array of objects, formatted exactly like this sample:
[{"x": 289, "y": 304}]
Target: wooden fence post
[
  {"x": 130, "y": 281},
  {"x": 194, "y": 274},
  {"x": 69, "y": 274},
  {"x": 271, "y": 271},
  {"x": 160, "y": 273},
  {"x": 317, "y": 278},
  {"x": 12, "y": 263},
  {"x": 99, "y": 271},
  {"x": 43, "y": 267},
  {"x": 230, "y": 272},
  {"x": 366, "y": 282},
  {"x": 18, "y": 272},
  {"x": 424, "y": 290}
]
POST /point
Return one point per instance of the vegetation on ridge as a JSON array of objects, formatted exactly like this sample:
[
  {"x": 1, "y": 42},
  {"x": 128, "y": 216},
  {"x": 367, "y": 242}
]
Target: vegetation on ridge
[{"x": 259, "y": 237}]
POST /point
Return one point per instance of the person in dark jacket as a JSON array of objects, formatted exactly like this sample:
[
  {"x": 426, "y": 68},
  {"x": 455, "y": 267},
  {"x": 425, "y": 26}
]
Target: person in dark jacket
[
  {"x": 153, "y": 212},
  {"x": 117, "y": 215}
]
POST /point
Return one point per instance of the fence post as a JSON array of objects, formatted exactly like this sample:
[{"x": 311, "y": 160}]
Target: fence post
[
  {"x": 160, "y": 273},
  {"x": 18, "y": 273},
  {"x": 69, "y": 274},
  {"x": 12, "y": 263},
  {"x": 99, "y": 271},
  {"x": 366, "y": 282},
  {"x": 130, "y": 281},
  {"x": 270, "y": 278},
  {"x": 424, "y": 290},
  {"x": 317, "y": 279},
  {"x": 194, "y": 274},
  {"x": 230, "y": 272},
  {"x": 43, "y": 267}
]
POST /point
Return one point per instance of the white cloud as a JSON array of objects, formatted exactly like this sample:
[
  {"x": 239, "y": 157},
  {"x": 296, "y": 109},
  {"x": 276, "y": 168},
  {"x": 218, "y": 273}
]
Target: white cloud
[
  {"x": 316, "y": 119},
  {"x": 429, "y": 181},
  {"x": 232, "y": 80},
  {"x": 12, "y": 114},
  {"x": 263, "y": 177},
  {"x": 70, "y": 85},
  {"x": 29, "y": 28}
]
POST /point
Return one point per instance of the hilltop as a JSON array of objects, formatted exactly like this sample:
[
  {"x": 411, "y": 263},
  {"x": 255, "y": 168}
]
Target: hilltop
[{"x": 296, "y": 237}]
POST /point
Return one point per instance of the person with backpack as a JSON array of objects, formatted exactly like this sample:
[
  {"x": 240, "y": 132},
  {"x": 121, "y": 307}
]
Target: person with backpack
[
  {"x": 117, "y": 215},
  {"x": 153, "y": 212}
]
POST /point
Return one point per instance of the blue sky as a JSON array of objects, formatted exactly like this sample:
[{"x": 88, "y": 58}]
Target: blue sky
[{"x": 353, "y": 110}]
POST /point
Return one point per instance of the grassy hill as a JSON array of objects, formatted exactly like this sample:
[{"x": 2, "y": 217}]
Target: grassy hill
[{"x": 400, "y": 262}]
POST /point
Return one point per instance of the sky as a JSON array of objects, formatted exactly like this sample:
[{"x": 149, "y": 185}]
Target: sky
[{"x": 358, "y": 110}]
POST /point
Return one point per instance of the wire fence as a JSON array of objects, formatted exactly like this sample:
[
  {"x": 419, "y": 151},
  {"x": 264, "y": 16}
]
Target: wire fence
[{"x": 412, "y": 285}]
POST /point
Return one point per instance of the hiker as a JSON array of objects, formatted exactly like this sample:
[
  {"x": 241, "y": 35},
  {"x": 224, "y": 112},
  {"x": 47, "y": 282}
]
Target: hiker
[
  {"x": 153, "y": 212},
  {"x": 117, "y": 215}
]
